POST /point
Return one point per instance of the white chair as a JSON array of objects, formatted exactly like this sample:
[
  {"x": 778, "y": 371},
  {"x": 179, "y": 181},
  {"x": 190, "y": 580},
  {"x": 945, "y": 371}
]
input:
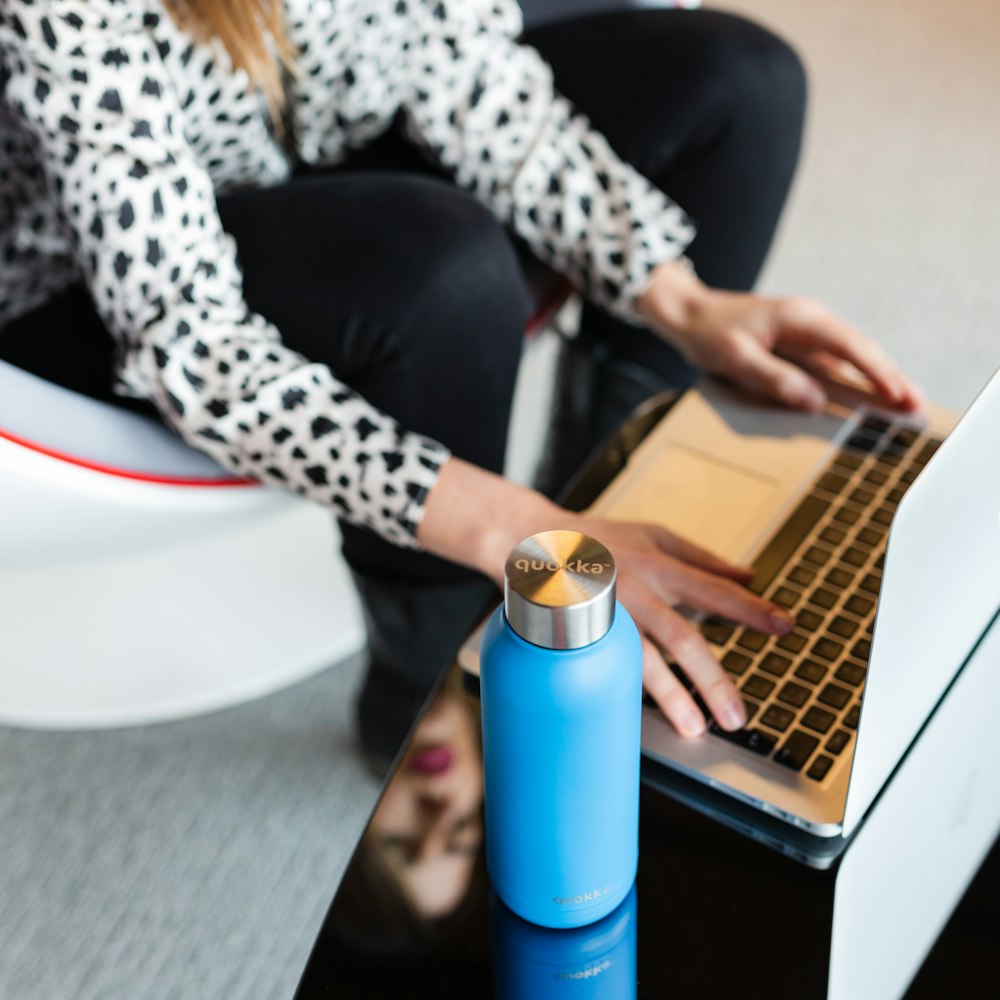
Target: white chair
[{"x": 138, "y": 581}]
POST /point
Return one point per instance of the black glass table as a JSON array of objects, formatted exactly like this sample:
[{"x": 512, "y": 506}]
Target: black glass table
[{"x": 724, "y": 904}]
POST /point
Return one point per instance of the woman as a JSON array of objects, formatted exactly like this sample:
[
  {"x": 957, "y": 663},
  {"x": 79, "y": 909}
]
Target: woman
[{"x": 146, "y": 143}]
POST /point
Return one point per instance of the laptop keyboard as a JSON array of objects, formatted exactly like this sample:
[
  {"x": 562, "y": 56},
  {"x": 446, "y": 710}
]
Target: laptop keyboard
[{"x": 802, "y": 691}]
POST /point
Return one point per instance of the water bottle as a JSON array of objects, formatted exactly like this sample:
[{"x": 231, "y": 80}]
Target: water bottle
[{"x": 561, "y": 690}]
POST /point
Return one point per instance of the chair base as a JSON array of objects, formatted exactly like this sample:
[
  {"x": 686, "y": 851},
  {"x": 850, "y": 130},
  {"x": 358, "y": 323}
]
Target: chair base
[{"x": 193, "y": 627}]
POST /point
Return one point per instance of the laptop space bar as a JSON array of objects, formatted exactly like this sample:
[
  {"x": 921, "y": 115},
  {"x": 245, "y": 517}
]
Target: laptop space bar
[{"x": 791, "y": 534}]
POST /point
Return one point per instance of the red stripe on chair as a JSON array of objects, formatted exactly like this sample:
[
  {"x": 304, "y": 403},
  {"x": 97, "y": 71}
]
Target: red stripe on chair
[{"x": 111, "y": 470}]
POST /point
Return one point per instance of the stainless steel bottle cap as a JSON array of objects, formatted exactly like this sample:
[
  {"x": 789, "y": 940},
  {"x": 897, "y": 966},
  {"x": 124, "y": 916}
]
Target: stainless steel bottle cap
[{"x": 559, "y": 589}]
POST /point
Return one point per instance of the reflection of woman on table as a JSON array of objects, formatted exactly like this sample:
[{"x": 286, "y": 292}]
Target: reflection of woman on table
[
  {"x": 429, "y": 823},
  {"x": 419, "y": 875},
  {"x": 148, "y": 143}
]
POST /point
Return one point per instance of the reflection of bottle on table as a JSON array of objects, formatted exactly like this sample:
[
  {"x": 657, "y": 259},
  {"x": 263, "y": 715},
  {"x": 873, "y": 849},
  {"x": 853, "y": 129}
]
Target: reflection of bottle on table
[
  {"x": 596, "y": 962},
  {"x": 561, "y": 692}
]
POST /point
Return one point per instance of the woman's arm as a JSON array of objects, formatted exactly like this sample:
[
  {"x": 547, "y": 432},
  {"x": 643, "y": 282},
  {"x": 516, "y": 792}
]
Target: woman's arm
[
  {"x": 475, "y": 518},
  {"x": 86, "y": 79}
]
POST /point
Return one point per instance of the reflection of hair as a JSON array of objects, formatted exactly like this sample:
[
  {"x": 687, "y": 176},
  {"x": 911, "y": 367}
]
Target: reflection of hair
[
  {"x": 251, "y": 32},
  {"x": 374, "y": 914}
]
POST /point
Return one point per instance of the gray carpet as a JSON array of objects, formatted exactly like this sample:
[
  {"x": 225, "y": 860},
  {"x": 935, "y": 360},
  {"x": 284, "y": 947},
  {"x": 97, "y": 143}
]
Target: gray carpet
[
  {"x": 196, "y": 859},
  {"x": 192, "y": 859}
]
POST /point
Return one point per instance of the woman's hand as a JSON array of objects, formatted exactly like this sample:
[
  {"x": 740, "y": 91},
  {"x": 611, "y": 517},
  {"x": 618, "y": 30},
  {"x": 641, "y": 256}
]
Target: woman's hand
[
  {"x": 475, "y": 518},
  {"x": 772, "y": 346},
  {"x": 657, "y": 570}
]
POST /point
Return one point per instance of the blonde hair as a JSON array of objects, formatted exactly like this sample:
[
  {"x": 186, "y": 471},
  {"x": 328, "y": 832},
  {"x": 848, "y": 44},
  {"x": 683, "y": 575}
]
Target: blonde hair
[{"x": 244, "y": 28}]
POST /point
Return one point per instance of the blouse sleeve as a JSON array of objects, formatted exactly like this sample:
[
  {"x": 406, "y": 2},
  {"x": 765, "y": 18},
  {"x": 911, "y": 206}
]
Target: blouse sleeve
[
  {"x": 85, "y": 78},
  {"x": 484, "y": 106}
]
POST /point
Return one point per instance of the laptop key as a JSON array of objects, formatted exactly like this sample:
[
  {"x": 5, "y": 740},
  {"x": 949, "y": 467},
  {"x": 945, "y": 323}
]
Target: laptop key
[
  {"x": 854, "y": 557},
  {"x": 827, "y": 648},
  {"x": 909, "y": 475},
  {"x": 751, "y": 707},
  {"x": 863, "y": 441},
  {"x": 831, "y": 482},
  {"x": 834, "y": 695},
  {"x": 824, "y": 598},
  {"x": 846, "y": 515},
  {"x": 716, "y": 631},
  {"x": 832, "y": 535},
  {"x": 858, "y": 605},
  {"x": 775, "y": 664},
  {"x": 894, "y": 496},
  {"x": 796, "y": 750},
  {"x": 808, "y": 619},
  {"x": 776, "y": 717},
  {"x": 837, "y": 741},
  {"x": 882, "y": 516},
  {"x": 794, "y": 642},
  {"x": 794, "y": 694},
  {"x": 754, "y": 740},
  {"x": 816, "y": 554},
  {"x": 876, "y": 477},
  {"x": 862, "y": 649},
  {"x": 811, "y": 671},
  {"x": 839, "y": 576},
  {"x": 843, "y": 627},
  {"x": 875, "y": 425},
  {"x": 869, "y": 536},
  {"x": 872, "y": 582},
  {"x": 789, "y": 537},
  {"x": 849, "y": 460},
  {"x": 818, "y": 718},
  {"x": 904, "y": 438},
  {"x": 862, "y": 496},
  {"x": 785, "y": 597},
  {"x": 819, "y": 767},
  {"x": 802, "y": 575},
  {"x": 850, "y": 673},
  {"x": 753, "y": 640},
  {"x": 736, "y": 663},
  {"x": 926, "y": 453},
  {"x": 757, "y": 686},
  {"x": 853, "y": 715}
]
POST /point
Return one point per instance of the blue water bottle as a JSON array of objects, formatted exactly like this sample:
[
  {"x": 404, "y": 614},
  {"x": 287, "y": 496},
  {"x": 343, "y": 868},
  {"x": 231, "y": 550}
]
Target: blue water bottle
[{"x": 561, "y": 690}]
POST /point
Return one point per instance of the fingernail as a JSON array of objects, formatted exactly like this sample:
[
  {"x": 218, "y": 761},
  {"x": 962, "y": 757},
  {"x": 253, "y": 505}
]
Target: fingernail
[
  {"x": 811, "y": 398},
  {"x": 781, "y": 621},
  {"x": 733, "y": 715},
  {"x": 802, "y": 392},
  {"x": 692, "y": 723}
]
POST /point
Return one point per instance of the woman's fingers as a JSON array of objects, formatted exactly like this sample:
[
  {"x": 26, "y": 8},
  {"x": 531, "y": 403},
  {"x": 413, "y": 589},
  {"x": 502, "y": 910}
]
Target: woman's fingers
[
  {"x": 707, "y": 592},
  {"x": 808, "y": 324},
  {"x": 755, "y": 367},
  {"x": 684, "y": 644},
  {"x": 695, "y": 555},
  {"x": 666, "y": 690}
]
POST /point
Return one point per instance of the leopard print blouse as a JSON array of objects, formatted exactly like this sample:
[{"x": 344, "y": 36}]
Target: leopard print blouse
[{"x": 117, "y": 130}]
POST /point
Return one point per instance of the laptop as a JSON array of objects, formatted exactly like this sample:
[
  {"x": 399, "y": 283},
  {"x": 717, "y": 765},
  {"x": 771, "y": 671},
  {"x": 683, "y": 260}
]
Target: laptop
[{"x": 879, "y": 532}]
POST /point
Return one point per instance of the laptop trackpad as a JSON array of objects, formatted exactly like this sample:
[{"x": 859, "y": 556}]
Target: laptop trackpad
[{"x": 720, "y": 505}]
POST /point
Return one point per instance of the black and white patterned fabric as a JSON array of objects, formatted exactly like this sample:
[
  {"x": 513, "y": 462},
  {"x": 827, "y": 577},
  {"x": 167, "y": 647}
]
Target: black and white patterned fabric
[{"x": 117, "y": 130}]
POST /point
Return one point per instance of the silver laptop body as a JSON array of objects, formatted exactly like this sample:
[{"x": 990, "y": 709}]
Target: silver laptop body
[{"x": 727, "y": 471}]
